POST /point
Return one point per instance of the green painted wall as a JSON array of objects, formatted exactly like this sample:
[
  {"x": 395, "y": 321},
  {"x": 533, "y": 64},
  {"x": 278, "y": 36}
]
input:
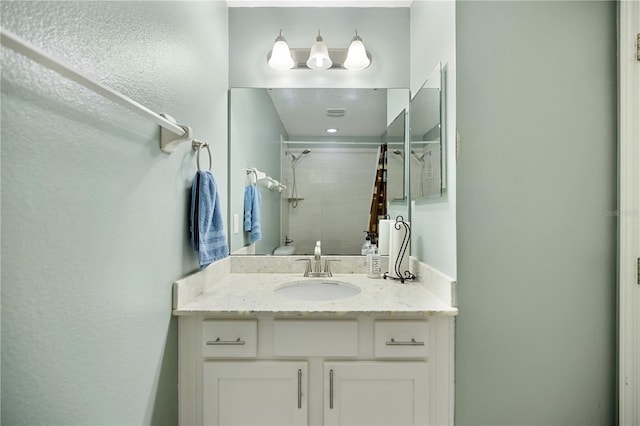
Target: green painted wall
[
  {"x": 94, "y": 215},
  {"x": 536, "y": 107},
  {"x": 254, "y": 131}
]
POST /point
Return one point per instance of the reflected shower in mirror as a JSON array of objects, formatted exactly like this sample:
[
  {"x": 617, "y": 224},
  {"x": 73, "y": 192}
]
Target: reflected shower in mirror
[
  {"x": 426, "y": 153},
  {"x": 293, "y": 199},
  {"x": 329, "y": 177}
]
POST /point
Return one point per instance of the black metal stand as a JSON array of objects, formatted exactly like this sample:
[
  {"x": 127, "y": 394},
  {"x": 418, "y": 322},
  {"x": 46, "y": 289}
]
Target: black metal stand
[{"x": 401, "y": 275}]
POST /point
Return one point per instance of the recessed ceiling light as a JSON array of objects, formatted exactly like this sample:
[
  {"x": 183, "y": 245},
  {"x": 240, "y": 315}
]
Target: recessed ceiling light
[{"x": 332, "y": 130}]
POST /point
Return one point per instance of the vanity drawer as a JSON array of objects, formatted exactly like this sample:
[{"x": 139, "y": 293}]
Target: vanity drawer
[
  {"x": 401, "y": 338},
  {"x": 225, "y": 338},
  {"x": 310, "y": 338}
]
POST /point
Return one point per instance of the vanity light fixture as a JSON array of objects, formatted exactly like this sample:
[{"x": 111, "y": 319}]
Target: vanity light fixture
[
  {"x": 357, "y": 58},
  {"x": 280, "y": 56},
  {"x": 332, "y": 130},
  {"x": 319, "y": 57}
]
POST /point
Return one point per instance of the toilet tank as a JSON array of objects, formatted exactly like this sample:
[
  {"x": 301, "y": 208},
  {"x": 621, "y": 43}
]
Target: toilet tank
[{"x": 284, "y": 251}]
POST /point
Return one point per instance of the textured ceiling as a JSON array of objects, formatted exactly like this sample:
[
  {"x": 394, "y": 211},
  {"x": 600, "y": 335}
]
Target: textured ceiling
[{"x": 304, "y": 111}]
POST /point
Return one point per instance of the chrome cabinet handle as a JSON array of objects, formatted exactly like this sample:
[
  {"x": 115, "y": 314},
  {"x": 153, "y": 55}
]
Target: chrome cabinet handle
[
  {"x": 412, "y": 342},
  {"x": 299, "y": 388},
  {"x": 331, "y": 389},
  {"x": 219, "y": 342}
]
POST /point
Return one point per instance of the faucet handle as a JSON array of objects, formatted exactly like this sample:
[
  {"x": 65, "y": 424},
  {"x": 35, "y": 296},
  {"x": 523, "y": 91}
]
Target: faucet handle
[
  {"x": 327, "y": 266},
  {"x": 307, "y": 270}
]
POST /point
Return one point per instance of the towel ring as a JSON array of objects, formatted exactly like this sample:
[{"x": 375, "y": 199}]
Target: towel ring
[{"x": 197, "y": 146}]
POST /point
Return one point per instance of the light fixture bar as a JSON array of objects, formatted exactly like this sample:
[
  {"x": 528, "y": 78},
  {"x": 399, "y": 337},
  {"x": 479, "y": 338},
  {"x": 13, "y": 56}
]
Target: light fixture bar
[
  {"x": 337, "y": 55},
  {"x": 319, "y": 57}
]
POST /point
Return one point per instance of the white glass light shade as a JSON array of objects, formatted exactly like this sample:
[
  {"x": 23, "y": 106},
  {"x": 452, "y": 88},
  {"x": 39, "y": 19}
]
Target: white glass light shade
[
  {"x": 281, "y": 55},
  {"x": 357, "y": 58},
  {"x": 319, "y": 56}
]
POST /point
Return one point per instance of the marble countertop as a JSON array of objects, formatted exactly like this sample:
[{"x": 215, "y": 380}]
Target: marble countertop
[{"x": 253, "y": 293}]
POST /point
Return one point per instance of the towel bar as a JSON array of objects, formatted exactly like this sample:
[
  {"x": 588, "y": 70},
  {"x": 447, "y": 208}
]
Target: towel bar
[
  {"x": 259, "y": 176},
  {"x": 172, "y": 134}
]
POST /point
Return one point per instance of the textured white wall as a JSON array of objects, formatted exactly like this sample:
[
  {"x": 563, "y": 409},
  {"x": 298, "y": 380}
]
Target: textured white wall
[{"x": 93, "y": 213}]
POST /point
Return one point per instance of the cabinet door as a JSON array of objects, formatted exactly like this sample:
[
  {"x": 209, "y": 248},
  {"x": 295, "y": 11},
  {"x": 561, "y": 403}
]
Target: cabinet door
[
  {"x": 376, "y": 393},
  {"x": 255, "y": 393}
]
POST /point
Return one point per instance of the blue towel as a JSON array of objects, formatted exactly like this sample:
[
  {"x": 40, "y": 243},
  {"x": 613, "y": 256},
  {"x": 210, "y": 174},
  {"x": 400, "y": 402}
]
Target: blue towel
[
  {"x": 208, "y": 237},
  {"x": 248, "y": 196},
  {"x": 251, "y": 222}
]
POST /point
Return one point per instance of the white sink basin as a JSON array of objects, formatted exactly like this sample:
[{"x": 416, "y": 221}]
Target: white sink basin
[{"x": 324, "y": 289}]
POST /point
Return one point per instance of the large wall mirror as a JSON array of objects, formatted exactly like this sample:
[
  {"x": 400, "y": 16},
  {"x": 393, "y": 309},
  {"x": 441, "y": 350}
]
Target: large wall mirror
[
  {"x": 327, "y": 178},
  {"x": 427, "y": 173}
]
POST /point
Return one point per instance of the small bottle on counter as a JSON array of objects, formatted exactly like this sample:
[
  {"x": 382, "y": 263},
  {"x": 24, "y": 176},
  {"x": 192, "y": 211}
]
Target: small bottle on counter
[
  {"x": 373, "y": 262},
  {"x": 367, "y": 245}
]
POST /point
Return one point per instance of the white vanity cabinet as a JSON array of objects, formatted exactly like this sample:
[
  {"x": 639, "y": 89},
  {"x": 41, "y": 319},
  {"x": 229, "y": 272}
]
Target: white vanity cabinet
[
  {"x": 255, "y": 393},
  {"x": 359, "y": 369},
  {"x": 376, "y": 393}
]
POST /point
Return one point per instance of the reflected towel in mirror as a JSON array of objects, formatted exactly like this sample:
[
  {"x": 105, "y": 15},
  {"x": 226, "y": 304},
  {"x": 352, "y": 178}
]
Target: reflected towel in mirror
[{"x": 252, "y": 200}]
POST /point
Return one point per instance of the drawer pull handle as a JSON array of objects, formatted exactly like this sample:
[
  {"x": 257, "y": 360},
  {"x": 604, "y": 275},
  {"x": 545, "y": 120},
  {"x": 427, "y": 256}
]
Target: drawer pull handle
[
  {"x": 299, "y": 389},
  {"x": 331, "y": 389},
  {"x": 413, "y": 342},
  {"x": 219, "y": 342}
]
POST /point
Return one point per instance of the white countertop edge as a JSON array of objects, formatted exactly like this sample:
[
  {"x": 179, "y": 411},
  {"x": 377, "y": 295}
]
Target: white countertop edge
[
  {"x": 437, "y": 282},
  {"x": 186, "y": 289},
  {"x": 319, "y": 313},
  {"x": 252, "y": 294}
]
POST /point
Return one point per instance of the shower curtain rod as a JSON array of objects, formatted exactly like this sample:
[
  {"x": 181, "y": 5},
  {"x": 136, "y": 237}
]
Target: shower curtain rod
[
  {"x": 364, "y": 144},
  {"x": 169, "y": 141}
]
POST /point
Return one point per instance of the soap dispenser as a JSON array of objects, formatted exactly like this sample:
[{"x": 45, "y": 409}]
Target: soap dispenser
[
  {"x": 366, "y": 245},
  {"x": 372, "y": 262}
]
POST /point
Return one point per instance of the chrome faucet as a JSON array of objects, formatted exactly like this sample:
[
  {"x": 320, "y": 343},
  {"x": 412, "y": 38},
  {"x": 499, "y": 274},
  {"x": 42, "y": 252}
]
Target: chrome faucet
[
  {"x": 317, "y": 264},
  {"x": 317, "y": 257}
]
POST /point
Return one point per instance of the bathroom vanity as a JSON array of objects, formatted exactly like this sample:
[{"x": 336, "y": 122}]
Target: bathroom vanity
[{"x": 249, "y": 354}]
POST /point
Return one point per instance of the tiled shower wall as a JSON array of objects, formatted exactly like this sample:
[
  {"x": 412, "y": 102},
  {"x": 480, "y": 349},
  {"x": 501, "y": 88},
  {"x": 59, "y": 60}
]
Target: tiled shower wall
[{"x": 337, "y": 187}]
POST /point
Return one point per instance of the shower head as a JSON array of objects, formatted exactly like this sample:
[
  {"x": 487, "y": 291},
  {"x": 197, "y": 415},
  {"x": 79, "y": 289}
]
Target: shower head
[
  {"x": 294, "y": 158},
  {"x": 420, "y": 158}
]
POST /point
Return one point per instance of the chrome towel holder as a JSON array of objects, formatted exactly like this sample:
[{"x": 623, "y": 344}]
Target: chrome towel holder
[
  {"x": 197, "y": 146},
  {"x": 169, "y": 143},
  {"x": 270, "y": 183}
]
